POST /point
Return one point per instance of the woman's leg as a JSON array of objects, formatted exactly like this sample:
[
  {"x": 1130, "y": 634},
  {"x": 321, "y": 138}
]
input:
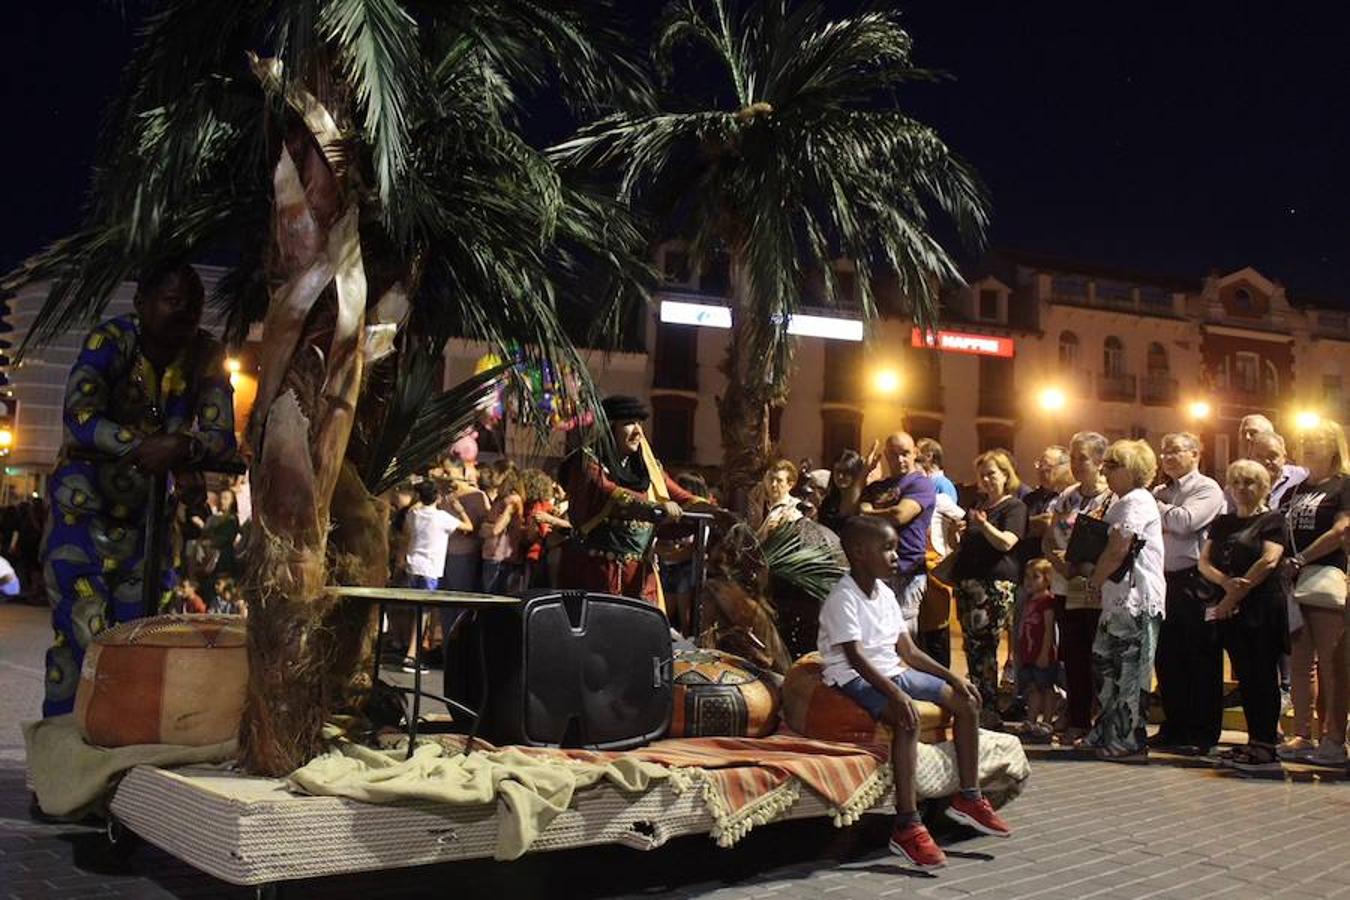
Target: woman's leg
[
  {"x": 1077, "y": 636},
  {"x": 1106, "y": 667},
  {"x": 1301, "y": 683},
  {"x": 1253, "y": 654},
  {"x": 981, "y": 624},
  {"x": 1327, "y": 627}
]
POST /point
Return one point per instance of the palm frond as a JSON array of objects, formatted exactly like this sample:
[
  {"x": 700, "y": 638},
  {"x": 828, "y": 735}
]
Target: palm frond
[
  {"x": 376, "y": 43},
  {"x": 421, "y": 422},
  {"x": 810, "y": 566}
]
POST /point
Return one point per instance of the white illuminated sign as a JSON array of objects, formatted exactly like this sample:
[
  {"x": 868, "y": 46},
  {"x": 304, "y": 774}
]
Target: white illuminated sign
[
  {"x": 708, "y": 315},
  {"x": 676, "y": 312},
  {"x": 826, "y": 327}
]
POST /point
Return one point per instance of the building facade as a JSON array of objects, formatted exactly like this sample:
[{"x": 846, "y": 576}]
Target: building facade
[{"x": 1031, "y": 351}]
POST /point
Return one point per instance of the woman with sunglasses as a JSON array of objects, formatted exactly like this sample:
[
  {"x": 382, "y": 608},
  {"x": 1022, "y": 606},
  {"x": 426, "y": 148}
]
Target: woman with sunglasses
[{"x": 1128, "y": 577}]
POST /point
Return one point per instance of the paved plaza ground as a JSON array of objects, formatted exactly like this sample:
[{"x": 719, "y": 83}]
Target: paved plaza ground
[{"x": 1174, "y": 829}]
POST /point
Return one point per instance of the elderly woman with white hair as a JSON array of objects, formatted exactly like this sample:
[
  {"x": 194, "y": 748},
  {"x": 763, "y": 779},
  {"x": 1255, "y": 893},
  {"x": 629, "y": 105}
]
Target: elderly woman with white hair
[
  {"x": 1240, "y": 557},
  {"x": 1128, "y": 577}
]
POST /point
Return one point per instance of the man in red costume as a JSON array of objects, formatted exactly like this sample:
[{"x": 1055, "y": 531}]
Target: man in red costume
[{"x": 616, "y": 491}]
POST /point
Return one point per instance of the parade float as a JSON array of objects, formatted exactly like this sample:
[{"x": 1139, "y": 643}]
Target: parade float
[{"x": 365, "y": 174}]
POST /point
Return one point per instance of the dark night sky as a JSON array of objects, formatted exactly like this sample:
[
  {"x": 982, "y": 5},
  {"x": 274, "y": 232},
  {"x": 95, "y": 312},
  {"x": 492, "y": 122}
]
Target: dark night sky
[{"x": 1165, "y": 137}]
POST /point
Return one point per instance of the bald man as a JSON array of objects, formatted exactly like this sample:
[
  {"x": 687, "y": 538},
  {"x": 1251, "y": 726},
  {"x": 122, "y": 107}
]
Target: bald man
[{"x": 905, "y": 498}]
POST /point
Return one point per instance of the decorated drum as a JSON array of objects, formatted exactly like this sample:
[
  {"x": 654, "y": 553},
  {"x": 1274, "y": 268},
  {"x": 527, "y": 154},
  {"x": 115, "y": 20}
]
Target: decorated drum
[
  {"x": 817, "y": 710},
  {"x": 720, "y": 695},
  {"x": 176, "y": 679}
]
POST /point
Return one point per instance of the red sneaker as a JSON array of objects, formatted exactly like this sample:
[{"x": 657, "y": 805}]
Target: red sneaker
[
  {"x": 978, "y": 814},
  {"x": 915, "y": 844}
]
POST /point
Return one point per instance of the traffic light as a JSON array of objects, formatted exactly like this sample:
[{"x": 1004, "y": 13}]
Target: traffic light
[{"x": 9, "y": 414}]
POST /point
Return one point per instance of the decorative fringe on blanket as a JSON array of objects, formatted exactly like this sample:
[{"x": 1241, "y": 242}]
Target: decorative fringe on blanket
[{"x": 867, "y": 796}]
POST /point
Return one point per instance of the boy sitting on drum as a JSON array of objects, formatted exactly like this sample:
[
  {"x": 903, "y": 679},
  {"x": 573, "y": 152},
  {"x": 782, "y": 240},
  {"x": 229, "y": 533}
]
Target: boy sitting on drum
[{"x": 873, "y": 660}]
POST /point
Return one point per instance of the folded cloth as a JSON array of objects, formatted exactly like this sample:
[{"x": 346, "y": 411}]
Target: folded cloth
[
  {"x": 73, "y": 778},
  {"x": 534, "y": 789}
]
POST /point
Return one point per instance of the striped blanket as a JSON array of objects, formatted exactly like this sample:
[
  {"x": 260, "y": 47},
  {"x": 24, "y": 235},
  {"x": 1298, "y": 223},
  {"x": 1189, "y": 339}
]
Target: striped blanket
[{"x": 750, "y": 781}]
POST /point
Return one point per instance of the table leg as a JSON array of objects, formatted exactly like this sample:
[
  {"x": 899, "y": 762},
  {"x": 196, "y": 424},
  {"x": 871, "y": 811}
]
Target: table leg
[
  {"x": 379, "y": 646},
  {"x": 417, "y": 679}
]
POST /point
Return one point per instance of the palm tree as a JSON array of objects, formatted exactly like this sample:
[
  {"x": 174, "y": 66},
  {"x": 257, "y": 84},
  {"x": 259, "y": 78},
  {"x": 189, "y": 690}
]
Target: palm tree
[
  {"x": 801, "y": 155},
  {"x": 359, "y": 158}
]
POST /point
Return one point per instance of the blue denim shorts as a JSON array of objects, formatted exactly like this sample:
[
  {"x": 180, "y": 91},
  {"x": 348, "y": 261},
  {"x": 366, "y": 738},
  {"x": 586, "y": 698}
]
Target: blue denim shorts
[
  {"x": 918, "y": 685},
  {"x": 1034, "y": 675}
]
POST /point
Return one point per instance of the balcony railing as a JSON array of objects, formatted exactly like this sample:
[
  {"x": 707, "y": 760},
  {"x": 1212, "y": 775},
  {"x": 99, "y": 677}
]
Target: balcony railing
[
  {"x": 1158, "y": 390},
  {"x": 1120, "y": 388}
]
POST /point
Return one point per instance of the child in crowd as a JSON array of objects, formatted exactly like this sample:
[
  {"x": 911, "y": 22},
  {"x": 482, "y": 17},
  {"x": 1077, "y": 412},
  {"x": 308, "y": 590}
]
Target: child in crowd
[
  {"x": 1037, "y": 652},
  {"x": 871, "y": 657}
]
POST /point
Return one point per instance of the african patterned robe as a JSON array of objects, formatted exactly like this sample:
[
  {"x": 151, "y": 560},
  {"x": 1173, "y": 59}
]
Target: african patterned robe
[
  {"x": 95, "y": 538},
  {"x": 611, "y": 551}
]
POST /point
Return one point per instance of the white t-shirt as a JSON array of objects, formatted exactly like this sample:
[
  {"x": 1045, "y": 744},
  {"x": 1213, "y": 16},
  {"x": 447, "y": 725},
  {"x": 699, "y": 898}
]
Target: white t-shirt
[
  {"x": 11, "y": 587},
  {"x": 874, "y": 622},
  {"x": 1144, "y": 590},
  {"x": 942, "y": 527},
  {"x": 429, "y": 529},
  {"x": 1064, "y": 511}
]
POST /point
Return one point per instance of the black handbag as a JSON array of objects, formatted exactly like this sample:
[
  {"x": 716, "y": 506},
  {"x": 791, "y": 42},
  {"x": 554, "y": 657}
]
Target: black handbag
[{"x": 1088, "y": 540}]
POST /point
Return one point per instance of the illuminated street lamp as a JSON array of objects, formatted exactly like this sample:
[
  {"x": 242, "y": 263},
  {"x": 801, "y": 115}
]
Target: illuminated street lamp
[
  {"x": 1052, "y": 399},
  {"x": 232, "y": 364},
  {"x": 886, "y": 381},
  {"x": 6, "y": 438},
  {"x": 1306, "y": 419},
  {"x": 1199, "y": 410}
]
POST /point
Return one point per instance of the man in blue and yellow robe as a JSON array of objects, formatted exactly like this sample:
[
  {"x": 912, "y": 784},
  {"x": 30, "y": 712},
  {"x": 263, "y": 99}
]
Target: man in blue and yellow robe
[{"x": 126, "y": 417}]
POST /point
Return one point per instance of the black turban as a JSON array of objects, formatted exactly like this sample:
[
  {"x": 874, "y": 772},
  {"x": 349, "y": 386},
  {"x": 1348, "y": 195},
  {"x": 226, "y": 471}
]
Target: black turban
[{"x": 624, "y": 408}]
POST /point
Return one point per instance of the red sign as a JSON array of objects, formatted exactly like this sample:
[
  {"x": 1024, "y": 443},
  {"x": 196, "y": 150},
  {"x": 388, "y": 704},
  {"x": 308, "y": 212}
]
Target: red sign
[{"x": 960, "y": 342}]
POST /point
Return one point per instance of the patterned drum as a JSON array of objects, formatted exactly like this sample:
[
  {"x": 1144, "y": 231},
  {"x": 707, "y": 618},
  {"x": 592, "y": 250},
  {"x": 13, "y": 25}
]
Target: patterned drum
[
  {"x": 175, "y": 679},
  {"x": 817, "y": 710},
  {"x": 720, "y": 695}
]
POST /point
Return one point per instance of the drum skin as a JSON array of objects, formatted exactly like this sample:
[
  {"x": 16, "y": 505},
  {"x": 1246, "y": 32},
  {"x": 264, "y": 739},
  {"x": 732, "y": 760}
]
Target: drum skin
[
  {"x": 721, "y": 695},
  {"x": 817, "y": 710},
  {"x": 177, "y": 679}
]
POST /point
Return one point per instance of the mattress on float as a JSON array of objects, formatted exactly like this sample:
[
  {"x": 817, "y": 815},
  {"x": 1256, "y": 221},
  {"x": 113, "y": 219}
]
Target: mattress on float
[{"x": 248, "y": 830}]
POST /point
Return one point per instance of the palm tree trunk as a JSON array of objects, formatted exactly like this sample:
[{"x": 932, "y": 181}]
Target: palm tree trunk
[
  {"x": 743, "y": 410},
  {"x": 301, "y": 423}
]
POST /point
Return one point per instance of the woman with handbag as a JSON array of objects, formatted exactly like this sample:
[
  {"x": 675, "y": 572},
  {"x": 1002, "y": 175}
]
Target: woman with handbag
[
  {"x": 1077, "y": 612},
  {"x": 1128, "y": 577},
  {"x": 1241, "y": 556},
  {"x": 1318, "y": 513},
  {"x": 986, "y": 572}
]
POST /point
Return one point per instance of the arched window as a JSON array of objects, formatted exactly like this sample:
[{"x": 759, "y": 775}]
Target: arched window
[
  {"x": 1113, "y": 357},
  {"x": 1242, "y": 301},
  {"x": 1157, "y": 359},
  {"x": 1068, "y": 350}
]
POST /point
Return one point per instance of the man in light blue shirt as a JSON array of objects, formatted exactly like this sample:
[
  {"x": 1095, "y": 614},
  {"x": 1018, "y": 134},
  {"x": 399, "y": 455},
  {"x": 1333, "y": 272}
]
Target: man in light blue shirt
[{"x": 930, "y": 461}]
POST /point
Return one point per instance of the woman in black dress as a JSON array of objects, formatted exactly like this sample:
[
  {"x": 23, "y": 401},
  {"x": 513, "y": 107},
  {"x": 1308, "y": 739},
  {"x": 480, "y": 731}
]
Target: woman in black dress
[{"x": 1241, "y": 556}]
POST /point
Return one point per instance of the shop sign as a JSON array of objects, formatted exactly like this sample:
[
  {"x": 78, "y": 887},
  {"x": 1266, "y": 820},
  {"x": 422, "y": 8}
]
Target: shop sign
[{"x": 962, "y": 342}]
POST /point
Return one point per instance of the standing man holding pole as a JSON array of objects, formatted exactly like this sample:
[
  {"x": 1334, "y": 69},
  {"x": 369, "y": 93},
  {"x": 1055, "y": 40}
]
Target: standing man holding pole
[{"x": 148, "y": 394}]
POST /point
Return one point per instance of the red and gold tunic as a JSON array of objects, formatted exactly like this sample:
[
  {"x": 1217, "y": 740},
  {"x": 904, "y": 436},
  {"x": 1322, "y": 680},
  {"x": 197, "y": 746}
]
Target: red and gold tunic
[{"x": 611, "y": 551}]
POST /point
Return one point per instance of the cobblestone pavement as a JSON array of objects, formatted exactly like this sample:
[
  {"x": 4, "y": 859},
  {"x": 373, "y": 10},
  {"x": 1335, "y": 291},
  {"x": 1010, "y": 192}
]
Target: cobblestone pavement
[{"x": 1083, "y": 829}]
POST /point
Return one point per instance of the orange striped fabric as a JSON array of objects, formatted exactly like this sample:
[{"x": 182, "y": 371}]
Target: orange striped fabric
[{"x": 746, "y": 769}]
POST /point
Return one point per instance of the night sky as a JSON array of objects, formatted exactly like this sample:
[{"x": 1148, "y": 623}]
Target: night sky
[{"x": 1173, "y": 138}]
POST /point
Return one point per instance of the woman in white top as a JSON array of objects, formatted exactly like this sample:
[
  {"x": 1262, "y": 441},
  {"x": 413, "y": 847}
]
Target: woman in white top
[{"x": 1132, "y": 603}]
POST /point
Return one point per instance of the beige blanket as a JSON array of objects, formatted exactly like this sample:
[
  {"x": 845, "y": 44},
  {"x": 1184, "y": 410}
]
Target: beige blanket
[{"x": 73, "y": 779}]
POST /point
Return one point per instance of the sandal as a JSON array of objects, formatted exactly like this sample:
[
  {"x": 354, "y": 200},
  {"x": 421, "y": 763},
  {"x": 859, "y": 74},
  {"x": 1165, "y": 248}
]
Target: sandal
[
  {"x": 1105, "y": 754},
  {"x": 1254, "y": 758}
]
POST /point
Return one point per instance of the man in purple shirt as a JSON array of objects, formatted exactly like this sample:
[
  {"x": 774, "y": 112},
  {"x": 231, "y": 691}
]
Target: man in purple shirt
[{"x": 905, "y": 498}]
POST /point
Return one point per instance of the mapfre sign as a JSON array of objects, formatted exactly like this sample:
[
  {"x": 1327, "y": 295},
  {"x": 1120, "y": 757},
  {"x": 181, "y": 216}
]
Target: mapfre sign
[{"x": 960, "y": 342}]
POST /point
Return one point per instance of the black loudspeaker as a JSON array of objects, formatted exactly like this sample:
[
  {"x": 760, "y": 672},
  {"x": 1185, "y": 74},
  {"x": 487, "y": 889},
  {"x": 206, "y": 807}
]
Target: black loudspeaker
[{"x": 572, "y": 669}]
